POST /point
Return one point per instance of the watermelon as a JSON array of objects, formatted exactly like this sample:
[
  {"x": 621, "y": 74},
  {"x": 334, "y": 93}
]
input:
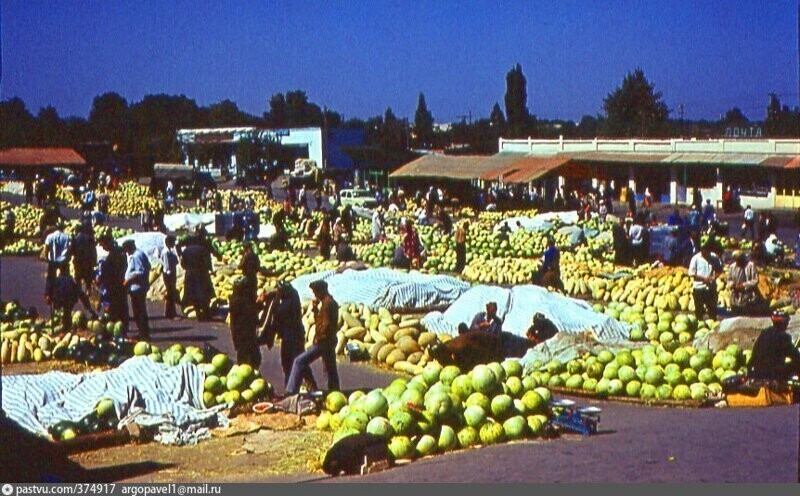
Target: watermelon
[
  {"x": 492, "y": 433},
  {"x": 515, "y": 427},
  {"x": 462, "y": 387},
  {"x": 502, "y": 406},
  {"x": 474, "y": 416},
  {"x": 401, "y": 447},
  {"x": 375, "y": 404},
  {"x": 448, "y": 374},
  {"x": 438, "y": 404},
  {"x": 480, "y": 400},
  {"x": 447, "y": 439},
  {"x": 402, "y": 423},
  {"x": 468, "y": 436},
  {"x": 535, "y": 425},
  {"x": 335, "y": 401},
  {"x": 512, "y": 368},
  {"x": 483, "y": 379},
  {"x": 323, "y": 421},
  {"x": 380, "y": 426},
  {"x": 426, "y": 445},
  {"x": 431, "y": 373},
  {"x": 357, "y": 421}
]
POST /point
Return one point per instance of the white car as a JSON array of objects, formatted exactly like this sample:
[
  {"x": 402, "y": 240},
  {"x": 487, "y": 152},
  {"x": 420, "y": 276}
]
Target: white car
[{"x": 357, "y": 198}]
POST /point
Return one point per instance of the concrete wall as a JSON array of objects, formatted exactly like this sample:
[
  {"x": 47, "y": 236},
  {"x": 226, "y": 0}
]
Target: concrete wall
[{"x": 553, "y": 146}]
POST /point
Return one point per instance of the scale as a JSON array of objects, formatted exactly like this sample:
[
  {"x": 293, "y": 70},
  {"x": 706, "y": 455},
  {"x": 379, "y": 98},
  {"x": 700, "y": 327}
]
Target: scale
[{"x": 582, "y": 420}]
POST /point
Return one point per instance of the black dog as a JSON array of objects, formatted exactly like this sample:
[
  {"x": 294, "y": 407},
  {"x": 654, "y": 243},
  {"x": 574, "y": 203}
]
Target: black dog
[{"x": 357, "y": 455}]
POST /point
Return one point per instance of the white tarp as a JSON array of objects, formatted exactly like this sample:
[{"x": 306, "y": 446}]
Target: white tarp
[
  {"x": 174, "y": 222},
  {"x": 539, "y": 222},
  {"x": 516, "y": 308},
  {"x": 37, "y": 402},
  {"x": 152, "y": 243},
  {"x": 386, "y": 288}
]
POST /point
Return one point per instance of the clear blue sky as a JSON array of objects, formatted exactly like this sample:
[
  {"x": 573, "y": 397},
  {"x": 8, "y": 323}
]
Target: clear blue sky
[{"x": 357, "y": 57}]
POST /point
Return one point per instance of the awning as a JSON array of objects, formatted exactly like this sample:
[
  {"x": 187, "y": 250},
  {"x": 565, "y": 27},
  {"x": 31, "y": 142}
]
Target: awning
[
  {"x": 532, "y": 168},
  {"x": 40, "y": 157},
  {"x": 458, "y": 167}
]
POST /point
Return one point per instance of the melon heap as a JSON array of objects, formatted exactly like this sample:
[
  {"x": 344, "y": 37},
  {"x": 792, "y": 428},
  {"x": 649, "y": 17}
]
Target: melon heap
[
  {"x": 442, "y": 409},
  {"x": 654, "y": 372}
]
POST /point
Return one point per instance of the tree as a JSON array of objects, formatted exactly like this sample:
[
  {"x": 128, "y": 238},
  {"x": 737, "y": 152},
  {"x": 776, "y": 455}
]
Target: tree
[
  {"x": 423, "y": 123},
  {"x": 52, "y": 131},
  {"x": 587, "y": 127},
  {"x": 393, "y": 132},
  {"x": 735, "y": 117},
  {"x": 227, "y": 114},
  {"x": 635, "y": 108},
  {"x": 17, "y": 125},
  {"x": 516, "y": 102},
  {"x": 110, "y": 119},
  {"x": 497, "y": 119}
]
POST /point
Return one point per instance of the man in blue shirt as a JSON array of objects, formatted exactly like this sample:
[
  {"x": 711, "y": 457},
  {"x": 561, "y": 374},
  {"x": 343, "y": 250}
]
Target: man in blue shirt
[
  {"x": 549, "y": 274},
  {"x": 675, "y": 219},
  {"x": 137, "y": 282},
  {"x": 487, "y": 321}
]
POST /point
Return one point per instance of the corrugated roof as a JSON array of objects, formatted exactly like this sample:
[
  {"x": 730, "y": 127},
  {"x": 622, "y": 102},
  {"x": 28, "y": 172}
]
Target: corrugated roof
[
  {"x": 622, "y": 157},
  {"x": 531, "y": 168},
  {"x": 460, "y": 167},
  {"x": 716, "y": 158},
  {"x": 793, "y": 164},
  {"x": 776, "y": 161},
  {"x": 40, "y": 157}
]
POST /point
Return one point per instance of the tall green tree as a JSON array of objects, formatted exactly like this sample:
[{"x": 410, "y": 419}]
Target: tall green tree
[
  {"x": 497, "y": 119},
  {"x": 52, "y": 131},
  {"x": 516, "y": 100},
  {"x": 423, "y": 123},
  {"x": 17, "y": 124},
  {"x": 110, "y": 120},
  {"x": 635, "y": 108}
]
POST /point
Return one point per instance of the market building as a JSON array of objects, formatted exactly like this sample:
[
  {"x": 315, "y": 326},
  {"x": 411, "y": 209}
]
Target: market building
[
  {"x": 766, "y": 173},
  {"x": 27, "y": 162},
  {"x": 214, "y": 149}
]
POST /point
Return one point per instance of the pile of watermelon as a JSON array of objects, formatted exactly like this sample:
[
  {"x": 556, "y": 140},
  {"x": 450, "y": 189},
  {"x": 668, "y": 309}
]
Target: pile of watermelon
[{"x": 443, "y": 409}]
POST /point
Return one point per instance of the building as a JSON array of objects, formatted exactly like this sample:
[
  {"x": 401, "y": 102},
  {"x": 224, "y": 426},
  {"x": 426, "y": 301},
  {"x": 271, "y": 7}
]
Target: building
[
  {"x": 27, "y": 162},
  {"x": 765, "y": 172},
  {"x": 215, "y": 148}
]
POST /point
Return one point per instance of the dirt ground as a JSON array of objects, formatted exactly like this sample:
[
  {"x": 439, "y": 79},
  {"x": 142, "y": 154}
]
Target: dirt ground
[{"x": 256, "y": 447}]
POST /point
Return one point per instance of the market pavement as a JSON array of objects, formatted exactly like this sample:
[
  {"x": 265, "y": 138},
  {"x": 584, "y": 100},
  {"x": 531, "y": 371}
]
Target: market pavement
[
  {"x": 23, "y": 278},
  {"x": 636, "y": 444}
]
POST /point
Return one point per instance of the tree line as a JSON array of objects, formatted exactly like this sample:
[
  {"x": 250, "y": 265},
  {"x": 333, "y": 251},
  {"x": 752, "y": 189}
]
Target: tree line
[{"x": 144, "y": 132}]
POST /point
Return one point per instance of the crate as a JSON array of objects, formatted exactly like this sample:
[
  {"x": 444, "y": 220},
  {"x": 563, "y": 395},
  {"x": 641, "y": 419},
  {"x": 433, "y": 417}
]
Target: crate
[{"x": 765, "y": 397}]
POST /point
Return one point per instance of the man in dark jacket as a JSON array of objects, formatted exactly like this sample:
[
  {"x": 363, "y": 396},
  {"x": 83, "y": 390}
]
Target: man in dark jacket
[
  {"x": 620, "y": 240},
  {"x": 771, "y": 350},
  {"x": 244, "y": 321},
  {"x": 110, "y": 278},
  {"x": 326, "y": 317},
  {"x": 286, "y": 320},
  {"x": 250, "y": 267},
  {"x": 84, "y": 256},
  {"x": 197, "y": 287}
]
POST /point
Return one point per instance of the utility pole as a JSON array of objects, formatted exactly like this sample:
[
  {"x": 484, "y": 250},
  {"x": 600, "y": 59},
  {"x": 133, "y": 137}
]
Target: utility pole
[{"x": 680, "y": 112}]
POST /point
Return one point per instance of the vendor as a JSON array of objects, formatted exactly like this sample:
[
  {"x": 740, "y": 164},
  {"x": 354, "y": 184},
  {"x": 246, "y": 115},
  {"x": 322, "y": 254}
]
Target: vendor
[
  {"x": 549, "y": 274},
  {"x": 243, "y": 322},
  {"x": 743, "y": 283},
  {"x": 487, "y": 321},
  {"x": 541, "y": 329},
  {"x": 771, "y": 350}
]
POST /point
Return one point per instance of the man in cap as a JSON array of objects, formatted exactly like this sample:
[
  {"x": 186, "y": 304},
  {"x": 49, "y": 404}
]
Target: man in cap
[
  {"x": 771, "y": 351},
  {"x": 137, "y": 282},
  {"x": 743, "y": 283},
  {"x": 326, "y": 317},
  {"x": 702, "y": 270}
]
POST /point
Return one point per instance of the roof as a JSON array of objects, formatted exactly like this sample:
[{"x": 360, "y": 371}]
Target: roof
[
  {"x": 459, "y": 167},
  {"x": 177, "y": 171},
  {"x": 529, "y": 169},
  {"x": 622, "y": 157},
  {"x": 716, "y": 158},
  {"x": 40, "y": 157}
]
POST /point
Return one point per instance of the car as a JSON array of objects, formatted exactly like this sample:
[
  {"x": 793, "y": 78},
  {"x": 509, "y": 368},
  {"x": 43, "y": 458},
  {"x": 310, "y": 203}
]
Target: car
[{"x": 357, "y": 198}]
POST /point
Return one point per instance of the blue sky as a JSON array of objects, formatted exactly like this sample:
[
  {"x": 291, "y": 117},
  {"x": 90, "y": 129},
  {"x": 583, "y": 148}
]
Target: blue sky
[{"x": 358, "y": 57}]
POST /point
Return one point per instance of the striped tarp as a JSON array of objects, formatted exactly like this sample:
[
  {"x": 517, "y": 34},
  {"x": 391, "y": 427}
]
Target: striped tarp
[
  {"x": 37, "y": 402},
  {"x": 387, "y": 288},
  {"x": 517, "y": 306}
]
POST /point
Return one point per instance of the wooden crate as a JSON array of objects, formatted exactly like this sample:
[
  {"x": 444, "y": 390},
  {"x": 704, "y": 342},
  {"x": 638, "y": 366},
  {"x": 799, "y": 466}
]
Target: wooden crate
[{"x": 764, "y": 397}]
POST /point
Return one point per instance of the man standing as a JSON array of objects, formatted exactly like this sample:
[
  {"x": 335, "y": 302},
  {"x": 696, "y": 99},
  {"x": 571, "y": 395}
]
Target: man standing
[
  {"x": 487, "y": 321},
  {"x": 287, "y": 322},
  {"x": 197, "y": 289},
  {"x": 620, "y": 240},
  {"x": 461, "y": 246},
  {"x": 137, "y": 282},
  {"x": 169, "y": 267},
  {"x": 377, "y": 225},
  {"x": 708, "y": 213},
  {"x": 250, "y": 266},
  {"x": 772, "y": 349},
  {"x": 749, "y": 223},
  {"x": 110, "y": 278},
  {"x": 702, "y": 271},
  {"x": 244, "y": 321},
  {"x": 638, "y": 246},
  {"x": 84, "y": 257},
  {"x": 326, "y": 317},
  {"x": 743, "y": 283},
  {"x": 57, "y": 246}
]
